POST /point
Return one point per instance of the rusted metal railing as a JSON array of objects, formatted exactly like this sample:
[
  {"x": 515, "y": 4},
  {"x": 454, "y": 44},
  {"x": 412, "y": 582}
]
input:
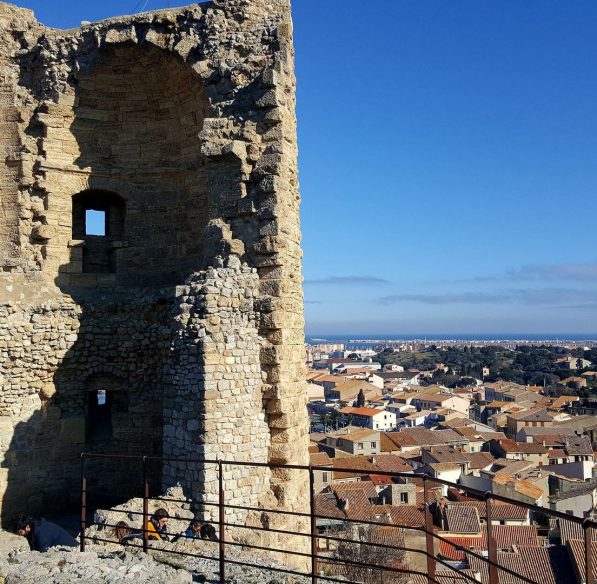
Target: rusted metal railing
[{"x": 315, "y": 559}]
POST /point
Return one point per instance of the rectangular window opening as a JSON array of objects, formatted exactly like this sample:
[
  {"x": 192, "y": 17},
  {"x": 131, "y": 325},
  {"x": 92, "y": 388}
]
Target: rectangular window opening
[
  {"x": 101, "y": 397},
  {"x": 95, "y": 222}
]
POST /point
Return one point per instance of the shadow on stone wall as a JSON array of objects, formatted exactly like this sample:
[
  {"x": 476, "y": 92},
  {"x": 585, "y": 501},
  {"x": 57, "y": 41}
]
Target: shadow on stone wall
[
  {"x": 113, "y": 349},
  {"x": 132, "y": 133}
]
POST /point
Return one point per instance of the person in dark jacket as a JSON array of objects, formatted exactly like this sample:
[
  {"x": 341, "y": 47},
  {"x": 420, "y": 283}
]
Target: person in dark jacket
[
  {"x": 193, "y": 530},
  {"x": 42, "y": 534},
  {"x": 208, "y": 531}
]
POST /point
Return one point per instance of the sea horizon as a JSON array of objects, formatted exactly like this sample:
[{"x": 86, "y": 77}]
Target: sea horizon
[{"x": 319, "y": 338}]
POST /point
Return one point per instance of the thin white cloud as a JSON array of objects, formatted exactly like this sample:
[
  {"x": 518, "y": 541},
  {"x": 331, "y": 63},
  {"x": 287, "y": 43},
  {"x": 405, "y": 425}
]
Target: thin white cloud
[
  {"x": 566, "y": 272},
  {"x": 560, "y": 297},
  {"x": 349, "y": 281}
]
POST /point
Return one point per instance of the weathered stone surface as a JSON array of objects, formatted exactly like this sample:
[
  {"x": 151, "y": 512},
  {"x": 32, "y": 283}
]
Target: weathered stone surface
[
  {"x": 116, "y": 565},
  {"x": 94, "y": 567},
  {"x": 179, "y": 126}
]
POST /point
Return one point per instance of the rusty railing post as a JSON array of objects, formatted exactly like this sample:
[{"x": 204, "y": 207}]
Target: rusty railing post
[
  {"x": 83, "y": 500},
  {"x": 145, "y": 505},
  {"x": 494, "y": 577},
  {"x": 589, "y": 574},
  {"x": 429, "y": 543},
  {"x": 221, "y": 520},
  {"x": 313, "y": 518}
]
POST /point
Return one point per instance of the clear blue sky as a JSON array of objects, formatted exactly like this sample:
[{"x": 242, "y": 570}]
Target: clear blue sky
[{"x": 448, "y": 162}]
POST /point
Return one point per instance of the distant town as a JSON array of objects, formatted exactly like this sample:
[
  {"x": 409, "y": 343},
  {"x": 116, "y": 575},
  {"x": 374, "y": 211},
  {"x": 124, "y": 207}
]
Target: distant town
[{"x": 516, "y": 419}]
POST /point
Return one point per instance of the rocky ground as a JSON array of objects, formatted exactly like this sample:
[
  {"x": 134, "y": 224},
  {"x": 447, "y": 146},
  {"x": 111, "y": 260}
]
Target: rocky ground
[{"x": 102, "y": 565}]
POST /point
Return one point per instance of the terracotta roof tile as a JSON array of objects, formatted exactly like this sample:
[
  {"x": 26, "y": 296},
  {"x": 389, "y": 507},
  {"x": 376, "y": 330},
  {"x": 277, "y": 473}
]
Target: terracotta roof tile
[
  {"x": 549, "y": 565},
  {"x": 540, "y": 415},
  {"x": 391, "y": 441},
  {"x": 359, "y": 435},
  {"x": 342, "y": 489},
  {"x": 479, "y": 459},
  {"x": 353, "y": 505},
  {"x": 511, "y": 446},
  {"x": 390, "y": 463},
  {"x": 499, "y": 511},
  {"x": 407, "y": 515},
  {"x": 580, "y": 445},
  {"x": 385, "y": 535},
  {"x": 352, "y": 462},
  {"x": 403, "y": 515},
  {"x": 319, "y": 459},
  {"x": 449, "y": 549},
  {"x": 461, "y": 519},
  {"x": 576, "y": 548},
  {"x": 571, "y": 530},
  {"x": 425, "y": 437},
  {"x": 506, "y": 537},
  {"x": 361, "y": 411}
]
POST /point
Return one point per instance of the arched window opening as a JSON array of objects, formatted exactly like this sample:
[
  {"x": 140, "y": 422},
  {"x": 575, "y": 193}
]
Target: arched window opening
[
  {"x": 104, "y": 406},
  {"x": 98, "y": 221}
]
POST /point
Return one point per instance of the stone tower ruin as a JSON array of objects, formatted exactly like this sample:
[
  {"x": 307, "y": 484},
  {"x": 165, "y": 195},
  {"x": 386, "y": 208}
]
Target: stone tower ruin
[{"x": 150, "y": 283}]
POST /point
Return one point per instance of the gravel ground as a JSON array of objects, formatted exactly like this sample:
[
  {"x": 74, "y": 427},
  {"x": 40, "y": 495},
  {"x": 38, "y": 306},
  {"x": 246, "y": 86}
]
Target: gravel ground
[{"x": 113, "y": 564}]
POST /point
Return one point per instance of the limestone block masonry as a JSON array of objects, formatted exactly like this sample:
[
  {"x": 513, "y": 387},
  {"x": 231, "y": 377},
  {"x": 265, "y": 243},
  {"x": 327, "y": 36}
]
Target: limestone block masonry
[{"x": 150, "y": 281}]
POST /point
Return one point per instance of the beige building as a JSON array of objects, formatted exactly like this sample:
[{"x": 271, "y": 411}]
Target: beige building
[
  {"x": 536, "y": 418},
  {"x": 442, "y": 400},
  {"x": 363, "y": 441}
]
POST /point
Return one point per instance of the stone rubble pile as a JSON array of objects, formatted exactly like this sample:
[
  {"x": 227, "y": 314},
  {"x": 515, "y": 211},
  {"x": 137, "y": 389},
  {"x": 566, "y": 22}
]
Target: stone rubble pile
[
  {"x": 60, "y": 566},
  {"x": 107, "y": 565}
]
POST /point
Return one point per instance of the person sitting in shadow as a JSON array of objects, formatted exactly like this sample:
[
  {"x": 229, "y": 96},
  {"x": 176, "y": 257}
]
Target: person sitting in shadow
[
  {"x": 208, "y": 531},
  {"x": 193, "y": 531},
  {"x": 42, "y": 534},
  {"x": 197, "y": 530},
  {"x": 124, "y": 533},
  {"x": 121, "y": 530},
  {"x": 156, "y": 526}
]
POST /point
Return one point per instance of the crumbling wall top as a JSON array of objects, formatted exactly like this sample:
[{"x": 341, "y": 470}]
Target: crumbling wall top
[{"x": 9, "y": 14}]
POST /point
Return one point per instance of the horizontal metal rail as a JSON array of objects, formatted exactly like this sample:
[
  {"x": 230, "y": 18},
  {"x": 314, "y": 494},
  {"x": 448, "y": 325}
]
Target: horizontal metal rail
[{"x": 468, "y": 490}]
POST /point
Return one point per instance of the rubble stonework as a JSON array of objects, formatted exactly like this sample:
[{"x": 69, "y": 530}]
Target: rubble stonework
[
  {"x": 216, "y": 386},
  {"x": 187, "y": 311}
]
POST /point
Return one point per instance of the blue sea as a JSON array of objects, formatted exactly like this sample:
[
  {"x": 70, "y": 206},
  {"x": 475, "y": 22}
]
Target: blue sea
[{"x": 353, "y": 340}]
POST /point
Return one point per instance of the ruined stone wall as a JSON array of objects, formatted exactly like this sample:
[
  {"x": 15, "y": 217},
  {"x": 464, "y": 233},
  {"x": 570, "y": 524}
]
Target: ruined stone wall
[{"x": 183, "y": 121}]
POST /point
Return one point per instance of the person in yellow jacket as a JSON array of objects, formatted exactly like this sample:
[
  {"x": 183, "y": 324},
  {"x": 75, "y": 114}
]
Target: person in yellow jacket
[{"x": 156, "y": 526}]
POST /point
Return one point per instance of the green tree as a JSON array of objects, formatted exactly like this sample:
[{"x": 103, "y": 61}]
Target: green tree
[
  {"x": 360, "y": 403},
  {"x": 334, "y": 419},
  {"x": 326, "y": 420}
]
